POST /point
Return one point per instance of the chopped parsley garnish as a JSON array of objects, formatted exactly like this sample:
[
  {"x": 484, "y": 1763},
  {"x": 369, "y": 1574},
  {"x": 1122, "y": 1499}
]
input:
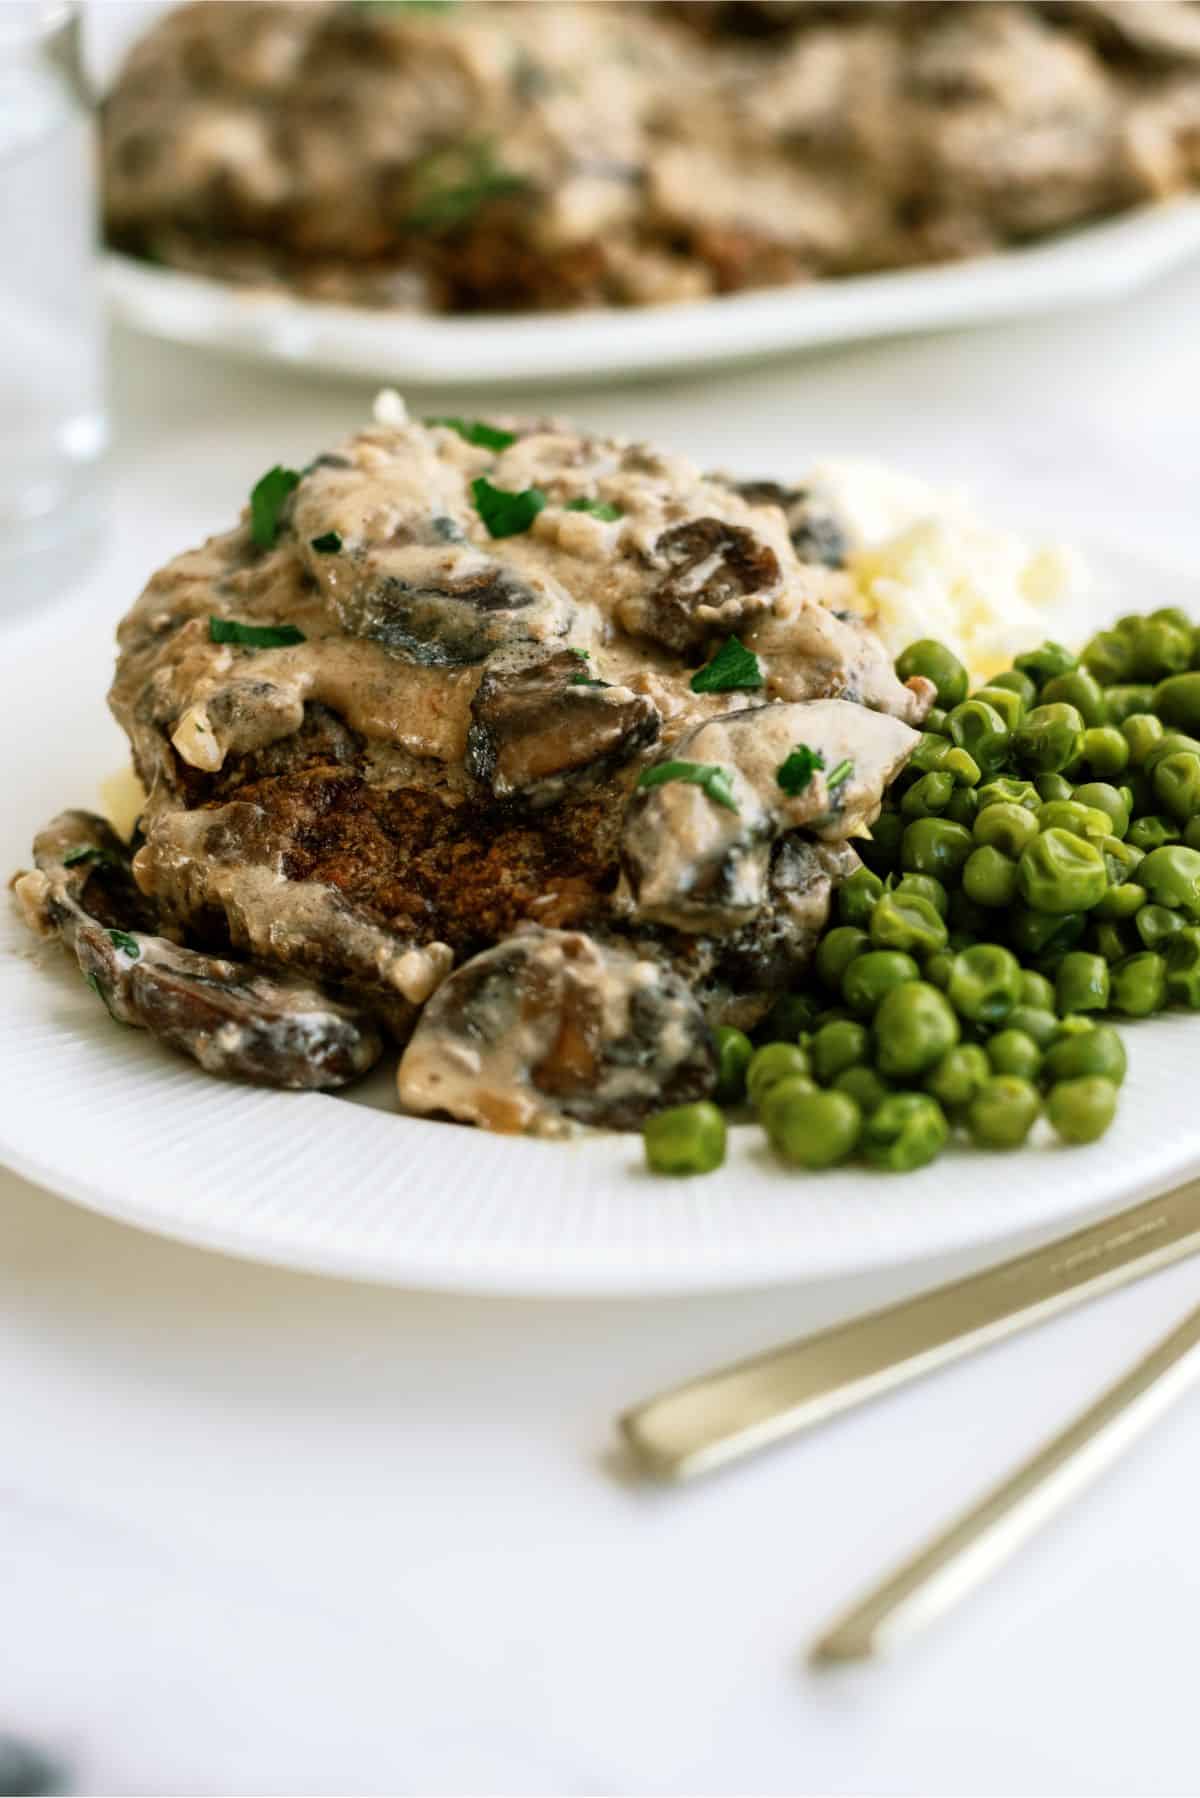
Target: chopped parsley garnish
[
  {"x": 254, "y": 636},
  {"x": 476, "y": 431},
  {"x": 598, "y": 508},
  {"x": 709, "y": 775},
  {"x": 85, "y": 852},
  {"x": 840, "y": 775},
  {"x": 121, "y": 939},
  {"x": 506, "y": 514},
  {"x": 327, "y": 544},
  {"x": 585, "y": 655},
  {"x": 93, "y": 980},
  {"x": 585, "y": 680},
  {"x": 796, "y": 773},
  {"x": 733, "y": 667},
  {"x": 451, "y": 185},
  {"x": 267, "y": 499}
]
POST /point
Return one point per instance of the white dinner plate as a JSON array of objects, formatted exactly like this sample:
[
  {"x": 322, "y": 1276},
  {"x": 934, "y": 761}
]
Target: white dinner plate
[
  {"x": 345, "y": 1185},
  {"x": 1098, "y": 262}
]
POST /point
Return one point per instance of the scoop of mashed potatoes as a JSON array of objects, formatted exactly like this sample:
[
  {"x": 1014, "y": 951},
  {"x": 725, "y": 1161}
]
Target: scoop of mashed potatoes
[{"x": 924, "y": 564}]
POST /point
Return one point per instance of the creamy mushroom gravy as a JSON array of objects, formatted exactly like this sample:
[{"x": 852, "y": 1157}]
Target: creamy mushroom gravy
[{"x": 514, "y": 688}]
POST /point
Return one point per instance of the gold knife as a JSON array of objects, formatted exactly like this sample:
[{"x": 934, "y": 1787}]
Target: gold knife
[
  {"x": 709, "y": 1421},
  {"x": 979, "y": 1541}
]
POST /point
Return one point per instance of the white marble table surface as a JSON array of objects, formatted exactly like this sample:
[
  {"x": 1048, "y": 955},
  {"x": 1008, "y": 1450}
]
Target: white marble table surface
[{"x": 263, "y": 1533}]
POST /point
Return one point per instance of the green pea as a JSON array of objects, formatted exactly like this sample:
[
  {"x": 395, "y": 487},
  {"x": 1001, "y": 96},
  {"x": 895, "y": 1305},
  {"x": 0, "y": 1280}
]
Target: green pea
[
  {"x": 1173, "y": 615},
  {"x": 935, "y": 721},
  {"x": 933, "y": 661},
  {"x": 1017, "y": 683},
  {"x": 771, "y": 1064},
  {"x": 1181, "y": 953},
  {"x": 856, "y": 897},
  {"x": 1010, "y": 705},
  {"x": 990, "y": 878},
  {"x": 1050, "y": 738},
  {"x": 1177, "y": 702},
  {"x": 1006, "y": 826},
  {"x": 836, "y": 950},
  {"x": 1004, "y": 1112},
  {"x": 1177, "y": 785},
  {"x": 1172, "y": 742},
  {"x": 1004, "y": 790},
  {"x": 1035, "y": 1022},
  {"x": 1154, "y": 924},
  {"x": 1151, "y": 832},
  {"x": 964, "y": 768},
  {"x": 1108, "y": 938},
  {"x": 980, "y": 729},
  {"x": 734, "y": 1052},
  {"x": 929, "y": 754},
  {"x": 1082, "y": 982},
  {"x": 1109, "y": 656},
  {"x": 926, "y": 887},
  {"x": 985, "y": 983},
  {"x": 1073, "y": 1025},
  {"x": 1161, "y": 646},
  {"x": 881, "y": 850},
  {"x": 1121, "y": 860},
  {"x": 1138, "y": 985},
  {"x": 1036, "y": 991},
  {"x": 935, "y": 846},
  {"x": 1053, "y": 786},
  {"x": 961, "y": 807},
  {"x": 811, "y": 1128},
  {"x": 908, "y": 921},
  {"x": 905, "y": 1131},
  {"x": 1142, "y": 731},
  {"x": 958, "y": 1076},
  {"x": 1040, "y": 934},
  {"x": 1121, "y": 902},
  {"x": 862, "y": 1084},
  {"x": 1080, "y": 689},
  {"x": 914, "y": 1027},
  {"x": 1061, "y": 873},
  {"x": 1081, "y": 1110},
  {"x": 1171, "y": 876},
  {"x": 839, "y": 1045},
  {"x": 870, "y": 978},
  {"x": 1045, "y": 663},
  {"x": 1125, "y": 702},
  {"x": 1080, "y": 820},
  {"x": 833, "y": 1014},
  {"x": 686, "y": 1139},
  {"x": 928, "y": 797},
  {"x": 1091, "y": 1052},
  {"x": 1011, "y": 1051},
  {"x": 1104, "y": 750}
]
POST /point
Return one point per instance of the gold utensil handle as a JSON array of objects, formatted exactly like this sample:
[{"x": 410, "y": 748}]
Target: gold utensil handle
[
  {"x": 981, "y": 1540},
  {"x": 730, "y": 1413}
]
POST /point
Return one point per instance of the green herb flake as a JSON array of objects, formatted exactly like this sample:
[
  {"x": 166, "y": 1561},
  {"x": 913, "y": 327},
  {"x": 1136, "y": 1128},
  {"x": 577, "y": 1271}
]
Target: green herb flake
[
  {"x": 93, "y": 980},
  {"x": 267, "y": 499},
  {"x": 476, "y": 431},
  {"x": 121, "y": 939},
  {"x": 254, "y": 636},
  {"x": 85, "y": 852},
  {"x": 451, "y": 185},
  {"x": 840, "y": 775},
  {"x": 585, "y": 680},
  {"x": 328, "y": 543},
  {"x": 709, "y": 775},
  {"x": 585, "y": 655},
  {"x": 733, "y": 668},
  {"x": 598, "y": 508},
  {"x": 506, "y": 514},
  {"x": 795, "y": 774}
]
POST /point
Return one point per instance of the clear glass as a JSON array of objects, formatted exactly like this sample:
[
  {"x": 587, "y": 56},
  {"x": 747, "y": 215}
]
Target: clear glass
[{"x": 52, "y": 418}]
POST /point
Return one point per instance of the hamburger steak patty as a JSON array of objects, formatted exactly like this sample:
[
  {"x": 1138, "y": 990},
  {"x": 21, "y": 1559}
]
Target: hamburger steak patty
[{"x": 396, "y": 719}]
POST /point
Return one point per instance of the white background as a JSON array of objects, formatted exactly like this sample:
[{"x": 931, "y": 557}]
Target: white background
[{"x": 264, "y": 1533}]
